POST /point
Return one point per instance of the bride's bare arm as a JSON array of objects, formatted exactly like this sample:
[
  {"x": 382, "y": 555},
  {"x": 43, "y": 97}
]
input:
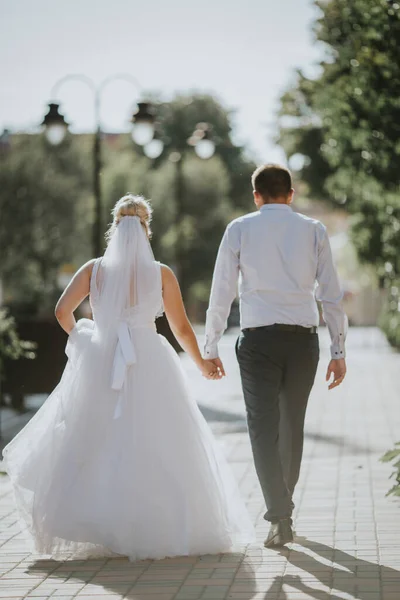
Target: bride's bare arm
[
  {"x": 180, "y": 324},
  {"x": 75, "y": 292}
]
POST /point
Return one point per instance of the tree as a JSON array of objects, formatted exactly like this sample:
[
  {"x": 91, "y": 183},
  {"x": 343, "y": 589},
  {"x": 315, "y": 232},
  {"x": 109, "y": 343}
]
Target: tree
[
  {"x": 347, "y": 124},
  {"x": 177, "y": 120},
  {"x": 41, "y": 190}
]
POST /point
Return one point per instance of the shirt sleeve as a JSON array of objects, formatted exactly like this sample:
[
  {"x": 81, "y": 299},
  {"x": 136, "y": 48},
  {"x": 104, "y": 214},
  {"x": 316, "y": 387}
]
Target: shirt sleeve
[
  {"x": 223, "y": 290},
  {"x": 330, "y": 295}
]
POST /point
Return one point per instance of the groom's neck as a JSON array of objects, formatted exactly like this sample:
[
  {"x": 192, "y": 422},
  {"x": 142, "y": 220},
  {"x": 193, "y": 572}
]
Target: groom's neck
[{"x": 279, "y": 200}]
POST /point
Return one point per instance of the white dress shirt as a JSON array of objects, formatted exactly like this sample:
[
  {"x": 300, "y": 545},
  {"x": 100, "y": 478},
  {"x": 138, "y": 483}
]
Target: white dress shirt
[{"x": 284, "y": 264}]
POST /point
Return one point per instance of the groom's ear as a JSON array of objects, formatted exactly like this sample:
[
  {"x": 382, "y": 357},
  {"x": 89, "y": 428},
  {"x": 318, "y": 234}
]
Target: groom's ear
[
  {"x": 291, "y": 196},
  {"x": 258, "y": 201}
]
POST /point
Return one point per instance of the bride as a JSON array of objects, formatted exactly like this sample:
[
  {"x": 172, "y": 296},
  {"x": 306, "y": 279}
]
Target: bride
[{"x": 119, "y": 458}]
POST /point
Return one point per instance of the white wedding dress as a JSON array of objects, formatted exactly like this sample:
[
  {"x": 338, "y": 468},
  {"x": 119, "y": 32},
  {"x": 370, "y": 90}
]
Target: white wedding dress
[{"x": 119, "y": 458}]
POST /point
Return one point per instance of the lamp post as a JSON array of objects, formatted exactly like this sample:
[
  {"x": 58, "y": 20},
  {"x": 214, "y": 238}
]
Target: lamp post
[
  {"x": 204, "y": 146},
  {"x": 56, "y": 128}
]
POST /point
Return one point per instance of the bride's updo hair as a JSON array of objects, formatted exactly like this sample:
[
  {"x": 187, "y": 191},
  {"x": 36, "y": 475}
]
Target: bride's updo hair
[{"x": 132, "y": 206}]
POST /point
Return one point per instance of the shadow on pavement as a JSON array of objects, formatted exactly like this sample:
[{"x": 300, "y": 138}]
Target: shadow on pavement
[
  {"x": 314, "y": 569},
  {"x": 337, "y": 440},
  {"x": 344, "y": 575},
  {"x": 232, "y": 422},
  {"x": 228, "y": 422},
  {"x": 131, "y": 580},
  {"x": 236, "y": 423}
]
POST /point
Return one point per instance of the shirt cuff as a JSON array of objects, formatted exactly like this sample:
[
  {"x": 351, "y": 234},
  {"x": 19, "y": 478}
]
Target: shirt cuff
[
  {"x": 337, "y": 351},
  {"x": 211, "y": 352}
]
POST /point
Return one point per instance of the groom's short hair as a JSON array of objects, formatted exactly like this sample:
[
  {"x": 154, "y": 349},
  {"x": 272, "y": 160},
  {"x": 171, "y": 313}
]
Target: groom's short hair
[{"x": 272, "y": 181}]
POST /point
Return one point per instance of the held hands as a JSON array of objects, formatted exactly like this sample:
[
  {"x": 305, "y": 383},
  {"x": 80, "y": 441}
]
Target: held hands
[
  {"x": 337, "y": 368},
  {"x": 212, "y": 369}
]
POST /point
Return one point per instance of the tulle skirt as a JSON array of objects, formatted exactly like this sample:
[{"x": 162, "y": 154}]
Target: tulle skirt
[{"x": 137, "y": 473}]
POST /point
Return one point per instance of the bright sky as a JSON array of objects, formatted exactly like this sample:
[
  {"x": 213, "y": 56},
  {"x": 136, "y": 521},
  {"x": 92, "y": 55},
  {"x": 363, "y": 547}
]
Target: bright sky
[{"x": 243, "y": 51}]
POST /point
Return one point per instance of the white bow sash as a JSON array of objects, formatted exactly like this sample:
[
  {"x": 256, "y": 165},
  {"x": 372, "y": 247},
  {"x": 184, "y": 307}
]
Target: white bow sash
[{"x": 125, "y": 355}]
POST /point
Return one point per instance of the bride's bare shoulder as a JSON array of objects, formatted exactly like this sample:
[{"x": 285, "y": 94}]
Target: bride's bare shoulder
[
  {"x": 87, "y": 268},
  {"x": 167, "y": 272},
  {"x": 168, "y": 277}
]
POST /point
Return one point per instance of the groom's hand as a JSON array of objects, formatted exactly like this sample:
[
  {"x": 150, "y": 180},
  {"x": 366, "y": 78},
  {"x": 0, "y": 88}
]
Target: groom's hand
[
  {"x": 337, "y": 368},
  {"x": 218, "y": 363},
  {"x": 209, "y": 369}
]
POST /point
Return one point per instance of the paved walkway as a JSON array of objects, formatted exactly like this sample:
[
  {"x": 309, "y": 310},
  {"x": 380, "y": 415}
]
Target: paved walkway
[{"x": 348, "y": 544}]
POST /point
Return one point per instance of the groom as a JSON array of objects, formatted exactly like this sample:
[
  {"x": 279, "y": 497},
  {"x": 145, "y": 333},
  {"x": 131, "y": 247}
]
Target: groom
[{"x": 281, "y": 257}]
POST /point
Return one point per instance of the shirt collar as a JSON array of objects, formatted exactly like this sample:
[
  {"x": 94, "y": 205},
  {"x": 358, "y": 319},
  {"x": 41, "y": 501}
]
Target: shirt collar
[{"x": 273, "y": 206}]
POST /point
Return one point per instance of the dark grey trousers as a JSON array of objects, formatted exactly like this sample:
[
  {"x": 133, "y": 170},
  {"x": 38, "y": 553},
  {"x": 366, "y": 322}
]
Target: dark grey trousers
[{"x": 277, "y": 369}]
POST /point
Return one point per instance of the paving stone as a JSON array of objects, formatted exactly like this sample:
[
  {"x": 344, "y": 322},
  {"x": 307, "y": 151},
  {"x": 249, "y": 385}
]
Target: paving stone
[{"x": 101, "y": 591}]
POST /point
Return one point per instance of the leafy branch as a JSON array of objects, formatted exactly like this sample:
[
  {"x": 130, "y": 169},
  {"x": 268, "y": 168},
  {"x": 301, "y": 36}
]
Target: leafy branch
[
  {"x": 390, "y": 456},
  {"x": 11, "y": 346}
]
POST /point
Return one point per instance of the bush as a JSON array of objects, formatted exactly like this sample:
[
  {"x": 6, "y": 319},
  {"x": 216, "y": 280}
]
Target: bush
[
  {"x": 11, "y": 346},
  {"x": 390, "y": 456},
  {"x": 390, "y": 319}
]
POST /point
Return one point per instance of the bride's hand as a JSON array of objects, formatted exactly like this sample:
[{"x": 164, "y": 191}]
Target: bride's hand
[{"x": 209, "y": 370}]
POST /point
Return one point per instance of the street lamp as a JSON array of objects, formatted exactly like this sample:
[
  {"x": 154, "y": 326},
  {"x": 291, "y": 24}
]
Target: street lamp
[
  {"x": 55, "y": 125},
  {"x": 155, "y": 147},
  {"x": 204, "y": 146},
  {"x": 56, "y": 128},
  {"x": 143, "y": 124}
]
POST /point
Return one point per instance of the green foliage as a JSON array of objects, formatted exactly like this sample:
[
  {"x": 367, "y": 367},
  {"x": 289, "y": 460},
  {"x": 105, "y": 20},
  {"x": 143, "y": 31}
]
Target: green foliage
[
  {"x": 11, "y": 346},
  {"x": 178, "y": 119},
  {"x": 390, "y": 318},
  {"x": 390, "y": 456},
  {"x": 201, "y": 226},
  {"x": 40, "y": 190},
  {"x": 346, "y": 123}
]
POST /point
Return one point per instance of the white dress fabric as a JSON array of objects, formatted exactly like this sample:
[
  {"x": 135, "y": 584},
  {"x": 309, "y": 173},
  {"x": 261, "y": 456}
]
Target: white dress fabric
[{"x": 119, "y": 459}]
